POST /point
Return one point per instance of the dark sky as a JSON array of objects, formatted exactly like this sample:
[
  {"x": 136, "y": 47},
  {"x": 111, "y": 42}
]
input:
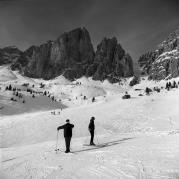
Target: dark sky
[{"x": 139, "y": 25}]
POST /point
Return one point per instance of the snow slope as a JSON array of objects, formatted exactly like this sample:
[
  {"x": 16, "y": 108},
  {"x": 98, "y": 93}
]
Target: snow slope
[
  {"x": 6, "y": 75},
  {"x": 39, "y": 103},
  {"x": 138, "y": 137}
]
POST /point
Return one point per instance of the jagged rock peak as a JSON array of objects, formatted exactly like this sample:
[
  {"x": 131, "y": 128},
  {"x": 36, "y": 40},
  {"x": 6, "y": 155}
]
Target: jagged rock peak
[
  {"x": 171, "y": 43},
  {"x": 78, "y": 33},
  {"x": 163, "y": 63},
  {"x": 111, "y": 61}
]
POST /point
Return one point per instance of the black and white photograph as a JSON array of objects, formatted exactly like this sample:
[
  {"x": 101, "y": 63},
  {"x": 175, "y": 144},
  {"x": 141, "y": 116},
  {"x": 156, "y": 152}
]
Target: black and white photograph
[{"x": 89, "y": 89}]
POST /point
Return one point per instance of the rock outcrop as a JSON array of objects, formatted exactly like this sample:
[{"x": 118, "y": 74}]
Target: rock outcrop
[
  {"x": 73, "y": 56},
  {"x": 163, "y": 63},
  {"x": 9, "y": 55},
  {"x": 146, "y": 60}
]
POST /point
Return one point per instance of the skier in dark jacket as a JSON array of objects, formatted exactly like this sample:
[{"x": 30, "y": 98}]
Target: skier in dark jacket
[
  {"x": 91, "y": 129},
  {"x": 67, "y": 133}
]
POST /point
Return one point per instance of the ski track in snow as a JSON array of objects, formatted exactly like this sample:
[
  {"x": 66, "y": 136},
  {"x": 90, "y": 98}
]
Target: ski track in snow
[{"x": 139, "y": 137}]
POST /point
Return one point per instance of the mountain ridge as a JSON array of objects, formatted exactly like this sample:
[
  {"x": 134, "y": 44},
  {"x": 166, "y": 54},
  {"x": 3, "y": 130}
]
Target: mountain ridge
[{"x": 72, "y": 55}]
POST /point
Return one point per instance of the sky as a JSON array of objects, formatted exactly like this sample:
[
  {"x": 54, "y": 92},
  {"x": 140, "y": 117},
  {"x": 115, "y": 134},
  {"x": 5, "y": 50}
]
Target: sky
[{"x": 139, "y": 25}]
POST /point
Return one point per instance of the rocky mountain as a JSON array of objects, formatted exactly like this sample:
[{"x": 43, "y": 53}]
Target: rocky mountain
[
  {"x": 69, "y": 55},
  {"x": 163, "y": 63},
  {"x": 73, "y": 56},
  {"x": 9, "y": 55},
  {"x": 110, "y": 62}
]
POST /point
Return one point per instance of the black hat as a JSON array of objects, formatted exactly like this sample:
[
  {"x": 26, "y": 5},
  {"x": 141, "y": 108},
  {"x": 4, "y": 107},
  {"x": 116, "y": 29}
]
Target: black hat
[
  {"x": 92, "y": 118},
  {"x": 67, "y": 120}
]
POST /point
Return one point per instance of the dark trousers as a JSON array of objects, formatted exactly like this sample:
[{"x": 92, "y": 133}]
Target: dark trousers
[
  {"x": 67, "y": 142},
  {"x": 92, "y": 136}
]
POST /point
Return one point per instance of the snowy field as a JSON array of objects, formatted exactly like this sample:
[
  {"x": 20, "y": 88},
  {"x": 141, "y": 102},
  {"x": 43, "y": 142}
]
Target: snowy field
[{"x": 138, "y": 137}]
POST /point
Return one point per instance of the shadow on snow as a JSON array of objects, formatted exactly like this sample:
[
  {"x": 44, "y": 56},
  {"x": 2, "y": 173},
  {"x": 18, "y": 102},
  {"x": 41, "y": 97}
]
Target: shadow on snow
[{"x": 102, "y": 145}]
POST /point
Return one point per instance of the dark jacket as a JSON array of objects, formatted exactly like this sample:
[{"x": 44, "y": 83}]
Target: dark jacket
[
  {"x": 67, "y": 129},
  {"x": 91, "y": 126}
]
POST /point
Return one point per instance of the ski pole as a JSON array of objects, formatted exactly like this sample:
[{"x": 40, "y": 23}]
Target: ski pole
[{"x": 56, "y": 142}]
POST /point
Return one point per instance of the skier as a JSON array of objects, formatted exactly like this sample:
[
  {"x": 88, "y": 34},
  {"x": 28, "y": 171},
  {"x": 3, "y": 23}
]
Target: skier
[
  {"x": 91, "y": 129},
  {"x": 67, "y": 133}
]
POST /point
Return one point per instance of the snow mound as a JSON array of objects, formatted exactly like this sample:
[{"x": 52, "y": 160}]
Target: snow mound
[
  {"x": 60, "y": 80},
  {"x": 6, "y": 74},
  {"x": 88, "y": 91}
]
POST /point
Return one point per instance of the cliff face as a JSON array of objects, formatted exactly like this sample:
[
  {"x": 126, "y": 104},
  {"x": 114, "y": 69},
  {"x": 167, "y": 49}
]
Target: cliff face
[
  {"x": 72, "y": 55},
  {"x": 164, "y": 62}
]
